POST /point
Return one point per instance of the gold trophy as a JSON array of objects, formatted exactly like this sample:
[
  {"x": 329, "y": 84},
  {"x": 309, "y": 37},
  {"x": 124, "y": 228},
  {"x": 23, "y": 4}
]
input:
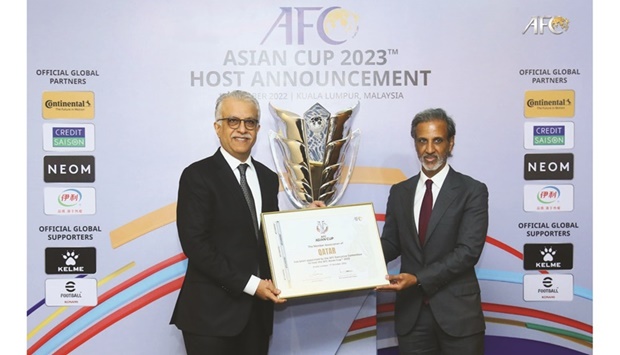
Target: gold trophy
[{"x": 315, "y": 154}]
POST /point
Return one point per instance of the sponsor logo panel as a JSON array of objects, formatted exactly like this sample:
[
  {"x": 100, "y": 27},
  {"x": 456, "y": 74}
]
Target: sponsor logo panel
[
  {"x": 558, "y": 256},
  {"x": 70, "y": 201},
  {"x": 68, "y": 137},
  {"x": 548, "y": 287},
  {"x": 549, "y": 135},
  {"x": 71, "y": 292},
  {"x": 68, "y": 105},
  {"x": 548, "y": 198},
  {"x": 70, "y": 260},
  {"x": 69, "y": 168},
  {"x": 548, "y": 166},
  {"x": 549, "y": 103}
]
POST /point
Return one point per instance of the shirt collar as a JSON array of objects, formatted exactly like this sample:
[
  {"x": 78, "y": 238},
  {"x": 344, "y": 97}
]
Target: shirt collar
[
  {"x": 438, "y": 179},
  {"x": 234, "y": 162}
]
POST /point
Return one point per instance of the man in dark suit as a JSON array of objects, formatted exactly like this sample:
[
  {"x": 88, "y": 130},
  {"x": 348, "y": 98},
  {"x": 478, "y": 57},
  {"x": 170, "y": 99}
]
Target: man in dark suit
[
  {"x": 225, "y": 305},
  {"x": 438, "y": 307}
]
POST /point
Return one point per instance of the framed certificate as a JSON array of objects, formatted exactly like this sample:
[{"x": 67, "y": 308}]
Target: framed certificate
[{"x": 324, "y": 250}]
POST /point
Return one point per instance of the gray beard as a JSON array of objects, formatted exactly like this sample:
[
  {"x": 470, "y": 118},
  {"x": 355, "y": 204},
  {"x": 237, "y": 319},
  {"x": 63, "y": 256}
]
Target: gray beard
[{"x": 435, "y": 166}]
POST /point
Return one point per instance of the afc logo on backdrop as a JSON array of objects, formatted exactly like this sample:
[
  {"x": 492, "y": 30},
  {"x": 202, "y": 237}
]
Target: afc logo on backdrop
[
  {"x": 553, "y": 24},
  {"x": 333, "y": 25}
]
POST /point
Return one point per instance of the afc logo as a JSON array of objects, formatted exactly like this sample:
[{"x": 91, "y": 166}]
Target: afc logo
[
  {"x": 555, "y": 24},
  {"x": 333, "y": 25}
]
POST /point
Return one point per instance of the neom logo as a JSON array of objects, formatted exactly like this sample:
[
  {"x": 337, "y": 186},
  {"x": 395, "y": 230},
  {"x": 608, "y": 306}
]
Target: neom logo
[
  {"x": 548, "y": 166},
  {"x": 69, "y": 168}
]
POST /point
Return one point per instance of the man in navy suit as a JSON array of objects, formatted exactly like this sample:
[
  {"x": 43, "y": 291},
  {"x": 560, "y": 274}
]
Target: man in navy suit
[
  {"x": 225, "y": 305},
  {"x": 438, "y": 307}
]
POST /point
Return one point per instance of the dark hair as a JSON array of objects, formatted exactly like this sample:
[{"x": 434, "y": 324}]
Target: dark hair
[{"x": 434, "y": 114}]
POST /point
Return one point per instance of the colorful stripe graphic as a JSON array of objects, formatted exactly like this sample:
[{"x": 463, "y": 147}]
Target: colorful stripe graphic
[{"x": 167, "y": 276}]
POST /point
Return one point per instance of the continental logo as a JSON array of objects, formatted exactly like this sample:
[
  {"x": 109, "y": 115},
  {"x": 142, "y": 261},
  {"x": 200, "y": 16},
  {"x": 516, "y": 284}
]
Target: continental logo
[
  {"x": 69, "y": 104},
  {"x": 550, "y": 103}
]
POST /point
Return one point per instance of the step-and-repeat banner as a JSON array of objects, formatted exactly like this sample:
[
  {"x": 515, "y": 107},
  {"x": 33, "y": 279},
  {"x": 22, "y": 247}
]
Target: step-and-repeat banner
[{"x": 121, "y": 98}]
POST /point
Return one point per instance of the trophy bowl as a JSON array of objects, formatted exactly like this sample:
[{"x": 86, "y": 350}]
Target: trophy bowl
[{"x": 314, "y": 154}]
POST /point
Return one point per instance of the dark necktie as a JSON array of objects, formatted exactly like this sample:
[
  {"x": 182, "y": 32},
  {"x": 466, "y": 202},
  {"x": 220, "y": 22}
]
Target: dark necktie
[
  {"x": 425, "y": 211},
  {"x": 247, "y": 193}
]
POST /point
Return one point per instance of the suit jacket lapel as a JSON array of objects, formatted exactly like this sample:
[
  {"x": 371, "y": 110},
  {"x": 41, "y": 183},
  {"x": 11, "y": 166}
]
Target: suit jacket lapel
[
  {"x": 260, "y": 173},
  {"x": 447, "y": 194},
  {"x": 407, "y": 202},
  {"x": 229, "y": 182}
]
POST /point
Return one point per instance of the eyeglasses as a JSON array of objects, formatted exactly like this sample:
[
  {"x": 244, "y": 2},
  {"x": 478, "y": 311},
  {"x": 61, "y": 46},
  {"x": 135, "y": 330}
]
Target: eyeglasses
[{"x": 234, "y": 122}]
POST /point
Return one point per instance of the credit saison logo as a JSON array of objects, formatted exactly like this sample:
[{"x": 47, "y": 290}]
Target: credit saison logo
[
  {"x": 548, "y": 166},
  {"x": 70, "y": 261},
  {"x": 548, "y": 256},
  {"x": 539, "y": 25},
  {"x": 68, "y": 137},
  {"x": 333, "y": 25},
  {"x": 69, "y": 168},
  {"x": 549, "y": 135}
]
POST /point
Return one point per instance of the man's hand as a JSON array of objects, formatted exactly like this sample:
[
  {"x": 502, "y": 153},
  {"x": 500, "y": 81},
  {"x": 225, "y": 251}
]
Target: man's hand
[
  {"x": 267, "y": 291},
  {"x": 398, "y": 282},
  {"x": 316, "y": 204}
]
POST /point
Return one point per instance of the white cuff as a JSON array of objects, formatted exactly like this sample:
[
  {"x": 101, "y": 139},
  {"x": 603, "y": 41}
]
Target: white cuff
[{"x": 252, "y": 285}]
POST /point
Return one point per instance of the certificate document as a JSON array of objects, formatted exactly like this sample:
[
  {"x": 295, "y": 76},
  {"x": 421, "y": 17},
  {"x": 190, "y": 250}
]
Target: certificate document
[{"x": 324, "y": 250}]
